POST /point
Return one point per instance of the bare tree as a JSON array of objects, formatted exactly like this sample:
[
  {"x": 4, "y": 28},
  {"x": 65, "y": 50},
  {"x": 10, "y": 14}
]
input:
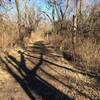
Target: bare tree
[
  {"x": 18, "y": 14},
  {"x": 59, "y": 9}
]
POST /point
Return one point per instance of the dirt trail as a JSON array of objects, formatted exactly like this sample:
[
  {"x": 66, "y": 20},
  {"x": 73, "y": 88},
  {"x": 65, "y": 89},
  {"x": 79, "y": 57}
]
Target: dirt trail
[{"x": 39, "y": 73}]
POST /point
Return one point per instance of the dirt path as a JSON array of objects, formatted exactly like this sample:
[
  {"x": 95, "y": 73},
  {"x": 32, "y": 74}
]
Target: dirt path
[{"x": 39, "y": 73}]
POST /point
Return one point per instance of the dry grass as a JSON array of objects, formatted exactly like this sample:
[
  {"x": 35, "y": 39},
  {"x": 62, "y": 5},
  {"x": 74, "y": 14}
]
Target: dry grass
[
  {"x": 8, "y": 33},
  {"x": 10, "y": 37},
  {"x": 90, "y": 53},
  {"x": 87, "y": 49},
  {"x": 60, "y": 42}
]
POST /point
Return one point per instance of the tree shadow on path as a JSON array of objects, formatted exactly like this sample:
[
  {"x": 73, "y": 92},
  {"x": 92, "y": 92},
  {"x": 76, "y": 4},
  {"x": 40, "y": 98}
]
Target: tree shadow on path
[{"x": 34, "y": 86}]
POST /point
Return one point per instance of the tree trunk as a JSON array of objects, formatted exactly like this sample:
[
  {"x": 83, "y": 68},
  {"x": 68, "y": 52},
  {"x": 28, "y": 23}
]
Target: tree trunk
[{"x": 18, "y": 13}]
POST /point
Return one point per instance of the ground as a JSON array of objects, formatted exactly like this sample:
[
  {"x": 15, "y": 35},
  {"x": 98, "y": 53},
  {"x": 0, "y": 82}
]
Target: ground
[{"x": 38, "y": 72}]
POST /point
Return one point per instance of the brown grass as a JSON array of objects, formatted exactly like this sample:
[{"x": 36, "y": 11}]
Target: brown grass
[
  {"x": 8, "y": 33},
  {"x": 90, "y": 53},
  {"x": 86, "y": 49}
]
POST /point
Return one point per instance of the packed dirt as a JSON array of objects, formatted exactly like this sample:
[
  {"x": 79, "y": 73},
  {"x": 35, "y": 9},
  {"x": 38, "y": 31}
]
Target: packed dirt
[{"x": 38, "y": 72}]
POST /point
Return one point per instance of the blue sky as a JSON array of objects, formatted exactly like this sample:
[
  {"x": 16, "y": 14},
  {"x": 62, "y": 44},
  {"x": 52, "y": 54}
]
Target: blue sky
[{"x": 41, "y": 5}]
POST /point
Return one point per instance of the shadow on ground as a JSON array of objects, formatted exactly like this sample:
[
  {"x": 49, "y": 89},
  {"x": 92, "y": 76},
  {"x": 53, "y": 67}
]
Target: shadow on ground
[{"x": 34, "y": 86}]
